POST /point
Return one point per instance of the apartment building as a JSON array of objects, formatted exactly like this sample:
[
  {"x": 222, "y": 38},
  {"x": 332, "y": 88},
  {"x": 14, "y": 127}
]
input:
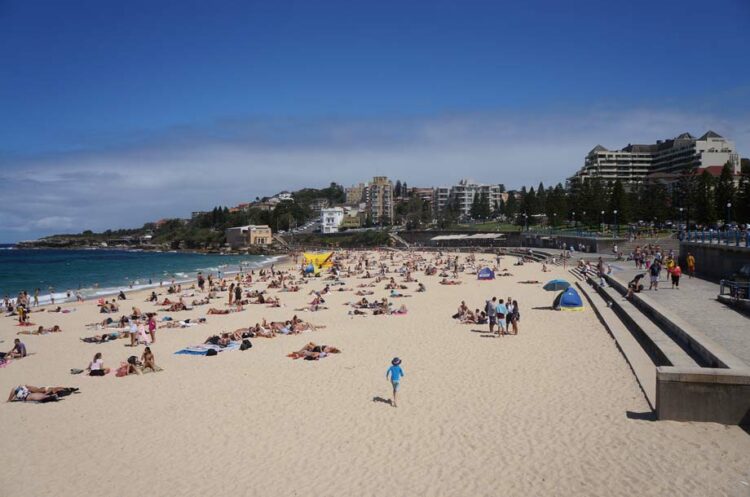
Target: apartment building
[
  {"x": 378, "y": 196},
  {"x": 461, "y": 196},
  {"x": 634, "y": 163}
]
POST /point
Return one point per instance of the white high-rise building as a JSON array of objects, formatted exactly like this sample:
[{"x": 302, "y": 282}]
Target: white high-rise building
[
  {"x": 461, "y": 196},
  {"x": 633, "y": 164}
]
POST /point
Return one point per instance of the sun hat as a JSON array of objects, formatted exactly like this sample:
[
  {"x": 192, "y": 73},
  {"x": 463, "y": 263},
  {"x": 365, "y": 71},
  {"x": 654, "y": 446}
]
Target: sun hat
[{"x": 396, "y": 361}]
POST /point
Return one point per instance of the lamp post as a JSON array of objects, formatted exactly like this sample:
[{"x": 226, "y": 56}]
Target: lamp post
[
  {"x": 602, "y": 220},
  {"x": 729, "y": 213},
  {"x": 526, "y": 221},
  {"x": 574, "y": 220},
  {"x": 583, "y": 218},
  {"x": 554, "y": 219},
  {"x": 617, "y": 226}
]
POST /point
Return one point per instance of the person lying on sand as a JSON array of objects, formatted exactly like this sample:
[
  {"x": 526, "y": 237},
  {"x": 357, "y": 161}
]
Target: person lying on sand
[
  {"x": 214, "y": 310},
  {"x": 395, "y": 294},
  {"x": 446, "y": 281},
  {"x": 312, "y": 308},
  {"x": 222, "y": 341},
  {"x": 313, "y": 352},
  {"x": 41, "y": 331},
  {"x": 60, "y": 309},
  {"x": 106, "y": 337},
  {"x": 30, "y": 393}
]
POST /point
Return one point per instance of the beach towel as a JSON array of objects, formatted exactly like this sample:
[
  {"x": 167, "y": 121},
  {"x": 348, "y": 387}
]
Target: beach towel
[{"x": 204, "y": 348}]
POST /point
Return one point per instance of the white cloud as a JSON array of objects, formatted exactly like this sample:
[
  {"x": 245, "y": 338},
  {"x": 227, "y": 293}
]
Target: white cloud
[{"x": 176, "y": 173}]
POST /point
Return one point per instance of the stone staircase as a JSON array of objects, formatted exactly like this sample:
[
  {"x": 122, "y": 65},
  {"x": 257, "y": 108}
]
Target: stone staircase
[{"x": 666, "y": 243}]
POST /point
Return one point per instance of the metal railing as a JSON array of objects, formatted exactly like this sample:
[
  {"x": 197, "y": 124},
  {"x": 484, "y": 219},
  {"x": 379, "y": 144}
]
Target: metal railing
[
  {"x": 735, "y": 289},
  {"x": 736, "y": 238}
]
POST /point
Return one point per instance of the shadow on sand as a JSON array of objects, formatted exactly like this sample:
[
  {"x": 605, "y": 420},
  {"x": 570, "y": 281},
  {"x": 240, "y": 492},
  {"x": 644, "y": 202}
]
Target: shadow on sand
[
  {"x": 641, "y": 416},
  {"x": 381, "y": 399}
]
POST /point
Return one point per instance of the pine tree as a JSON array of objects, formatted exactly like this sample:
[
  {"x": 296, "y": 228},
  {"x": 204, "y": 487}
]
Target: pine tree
[
  {"x": 743, "y": 201},
  {"x": 397, "y": 189},
  {"x": 541, "y": 199},
  {"x": 725, "y": 192},
  {"x": 618, "y": 201},
  {"x": 704, "y": 196}
]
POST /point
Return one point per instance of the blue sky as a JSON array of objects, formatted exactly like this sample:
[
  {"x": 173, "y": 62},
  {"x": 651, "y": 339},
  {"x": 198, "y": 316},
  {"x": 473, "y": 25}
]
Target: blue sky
[{"x": 116, "y": 113}]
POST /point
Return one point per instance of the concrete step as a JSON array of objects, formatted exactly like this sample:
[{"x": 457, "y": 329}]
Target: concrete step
[
  {"x": 640, "y": 363},
  {"x": 660, "y": 347}
]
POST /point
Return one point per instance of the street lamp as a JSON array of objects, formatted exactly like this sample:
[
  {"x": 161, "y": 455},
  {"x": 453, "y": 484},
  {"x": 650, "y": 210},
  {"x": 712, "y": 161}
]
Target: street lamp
[
  {"x": 574, "y": 220},
  {"x": 602, "y": 220},
  {"x": 554, "y": 219},
  {"x": 617, "y": 226},
  {"x": 584, "y": 219},
  {"x": 729, "y": 213},
  {"x": 526, "y": 220}
]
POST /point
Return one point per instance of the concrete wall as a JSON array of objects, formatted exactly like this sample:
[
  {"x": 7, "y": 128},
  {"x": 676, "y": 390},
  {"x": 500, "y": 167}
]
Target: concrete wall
[
  {"x": 713, "y": 261},
  {"x": 600, "y": 245},
  {"x": 700, "y": 394}
]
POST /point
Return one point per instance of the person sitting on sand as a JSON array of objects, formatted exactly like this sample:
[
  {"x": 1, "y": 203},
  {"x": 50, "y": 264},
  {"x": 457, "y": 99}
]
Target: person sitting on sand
[
  {"x": 17, "y": 352},
  {"x": 152, "y": 297},
  {"x": 121, "y": 296},
  {"x": 463, "y": 309},
  {"x": 313, "y": 352},
  {"x": 30, "y": 393},
  {"x": 400, "y": 311},
  {"x": 421, "y": 288},
  {"x": 147, "y": 358},
  {"x": 132, "y": 366},
  {"x": 96, "y": 366}
]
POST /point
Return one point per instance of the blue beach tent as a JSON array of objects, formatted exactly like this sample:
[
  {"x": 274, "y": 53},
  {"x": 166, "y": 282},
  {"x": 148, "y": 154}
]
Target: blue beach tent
[
  {"x": 556, "y": 285},
  {"x": 569, "y": 300},
  {"x": 486, "y": 274}
]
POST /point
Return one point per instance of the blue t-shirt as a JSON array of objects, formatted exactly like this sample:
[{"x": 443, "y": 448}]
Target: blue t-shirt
[
  {"x": 395, "y": 372},
  {"x": 502, "y": 311}
]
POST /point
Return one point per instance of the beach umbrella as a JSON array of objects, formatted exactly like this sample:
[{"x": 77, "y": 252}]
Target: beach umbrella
[{"x": 556, "y": 285}]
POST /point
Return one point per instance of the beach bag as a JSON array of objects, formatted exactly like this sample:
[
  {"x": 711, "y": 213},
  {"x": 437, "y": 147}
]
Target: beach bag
[
  {"x": 246, "y": 345},
  {"x": 211, "y": 352}
]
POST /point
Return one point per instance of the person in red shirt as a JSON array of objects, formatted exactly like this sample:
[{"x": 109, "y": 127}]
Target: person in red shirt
[{"x": 676, "y": 273}]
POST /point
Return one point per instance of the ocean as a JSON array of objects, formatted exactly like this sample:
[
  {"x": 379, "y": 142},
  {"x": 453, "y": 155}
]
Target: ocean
[{"x": 99, "y": 272}]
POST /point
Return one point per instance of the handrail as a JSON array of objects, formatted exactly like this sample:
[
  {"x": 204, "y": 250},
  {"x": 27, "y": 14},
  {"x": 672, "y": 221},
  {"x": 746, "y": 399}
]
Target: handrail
[{"x": 735, "y": 289}]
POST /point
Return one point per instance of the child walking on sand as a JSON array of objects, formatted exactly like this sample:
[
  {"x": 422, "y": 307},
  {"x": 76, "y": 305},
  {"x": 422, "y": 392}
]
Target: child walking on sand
[{"x": 395, "y": 373}]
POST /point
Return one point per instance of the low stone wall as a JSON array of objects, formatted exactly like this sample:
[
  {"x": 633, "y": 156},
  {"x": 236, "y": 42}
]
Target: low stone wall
[
  {"x": 554, "y": 241},
  {"x": 713, "y": 261},
  {"x": 700, "y": 394}
]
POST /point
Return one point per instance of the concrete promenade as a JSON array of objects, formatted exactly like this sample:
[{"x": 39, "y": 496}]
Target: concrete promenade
[{"x": 696, "y": 303}]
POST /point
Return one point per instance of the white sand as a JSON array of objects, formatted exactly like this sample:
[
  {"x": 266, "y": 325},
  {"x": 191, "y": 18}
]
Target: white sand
[{"x": 542, "y": 413}]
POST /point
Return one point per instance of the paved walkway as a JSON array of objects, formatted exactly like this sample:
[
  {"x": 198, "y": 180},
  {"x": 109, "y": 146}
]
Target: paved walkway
[{"x": 696, "y": 302}]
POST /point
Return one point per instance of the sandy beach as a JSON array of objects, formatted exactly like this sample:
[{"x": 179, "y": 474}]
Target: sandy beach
[{"x": 554, "y": 410}]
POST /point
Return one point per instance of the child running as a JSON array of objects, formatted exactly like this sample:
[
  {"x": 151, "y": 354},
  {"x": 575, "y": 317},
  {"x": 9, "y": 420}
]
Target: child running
[{"x": 395, "y": 373}]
